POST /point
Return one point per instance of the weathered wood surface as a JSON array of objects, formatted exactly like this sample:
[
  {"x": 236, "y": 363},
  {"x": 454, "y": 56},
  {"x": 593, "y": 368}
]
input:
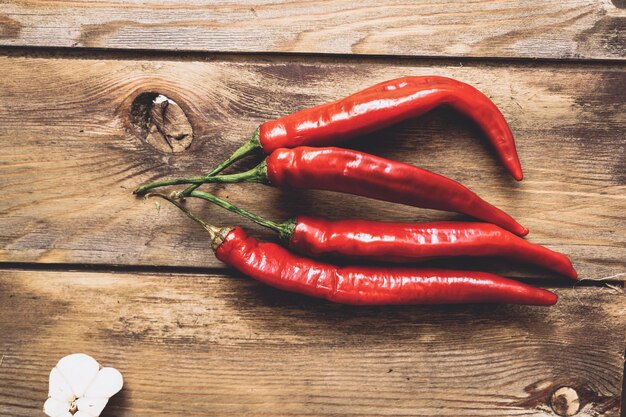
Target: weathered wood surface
[
  {"x": 73, "y": 155},
  {"x": 213, "y": 342},
  {"x": 229, "y": 346},
  {"x": 506, "y": 28}
]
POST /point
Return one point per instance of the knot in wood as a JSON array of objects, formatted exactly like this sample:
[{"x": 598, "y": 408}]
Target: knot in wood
[
  {"x": 565, "y": 401},
  {"x": 161, "y": 122}
]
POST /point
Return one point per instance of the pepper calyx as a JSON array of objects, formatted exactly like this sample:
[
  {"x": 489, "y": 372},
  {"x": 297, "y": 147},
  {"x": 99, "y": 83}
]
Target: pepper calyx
[
  {"x": 218, "y": 237},
  {"x": 286, "y": 229}
]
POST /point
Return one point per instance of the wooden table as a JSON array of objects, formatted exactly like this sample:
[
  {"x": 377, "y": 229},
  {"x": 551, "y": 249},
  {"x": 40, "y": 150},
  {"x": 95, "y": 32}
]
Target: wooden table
[{"x": 86, "y": 267}]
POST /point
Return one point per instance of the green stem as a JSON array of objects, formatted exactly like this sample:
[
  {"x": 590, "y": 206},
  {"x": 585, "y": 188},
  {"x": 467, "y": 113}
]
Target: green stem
[
  {"x": 246, "y": 149},
  {"x": 284, "y": 230},
  {"x": 256, "y": 174}
]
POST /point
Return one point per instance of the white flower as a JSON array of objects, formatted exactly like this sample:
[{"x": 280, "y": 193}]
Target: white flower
[{"x": 80, "y": 388}]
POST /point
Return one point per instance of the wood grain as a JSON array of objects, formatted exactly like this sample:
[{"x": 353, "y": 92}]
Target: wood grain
[
  {"x": 74, "y": 156},
  {"x": 228, "y": 346},
  {"x": 506, "y": 28}
]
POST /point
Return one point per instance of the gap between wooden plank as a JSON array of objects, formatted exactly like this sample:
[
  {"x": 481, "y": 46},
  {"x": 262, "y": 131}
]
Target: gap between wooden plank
[
  {"x": 308, "y": 58},
  {"x": 229, "y": 272}
]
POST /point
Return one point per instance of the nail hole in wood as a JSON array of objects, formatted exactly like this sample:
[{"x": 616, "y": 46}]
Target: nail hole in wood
[
  {"x": 161, "y": 122},
  {"x": 565, "y": 401}
]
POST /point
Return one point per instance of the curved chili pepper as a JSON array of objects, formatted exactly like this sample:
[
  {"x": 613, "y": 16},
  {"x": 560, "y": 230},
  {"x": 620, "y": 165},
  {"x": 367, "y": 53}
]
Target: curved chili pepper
[
  {"x": 276, "y": 266},
  {"x": 353, "y": 172},
  {"x": 386, "y": 104},
  {"x": 377, "y": 107},
  {"x": 403, "y": 242}
]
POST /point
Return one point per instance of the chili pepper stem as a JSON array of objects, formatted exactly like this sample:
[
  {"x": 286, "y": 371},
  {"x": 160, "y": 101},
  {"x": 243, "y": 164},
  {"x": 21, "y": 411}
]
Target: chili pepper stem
[
  {"x": 248, "y": 148},
  {"x": 217, "y": 234},
  {"x": 284, "y": 230},
  {"x": 256, "y": 174}
]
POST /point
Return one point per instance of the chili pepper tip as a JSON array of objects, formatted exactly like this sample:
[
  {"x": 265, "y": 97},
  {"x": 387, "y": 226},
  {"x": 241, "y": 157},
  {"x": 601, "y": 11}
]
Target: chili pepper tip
[
  {"x": 515, "y": 168},
  {"x": 549, "y": 298},
  {"x": 572, "y": 273}
]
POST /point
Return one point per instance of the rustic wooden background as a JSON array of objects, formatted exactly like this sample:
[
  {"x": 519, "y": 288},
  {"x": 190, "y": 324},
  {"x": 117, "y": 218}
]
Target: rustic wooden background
[{"x": 86, "y": 267}]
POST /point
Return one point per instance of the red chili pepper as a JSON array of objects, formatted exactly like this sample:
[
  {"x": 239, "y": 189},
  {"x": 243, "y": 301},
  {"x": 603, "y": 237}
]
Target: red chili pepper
[
  {"x": 353, "y": 172},
  {"x": 403, "y": 242},
  {"x": 377, "y": 107},
  {"x": 276, "y": 266},
  {"x": 386, "y": 104}
]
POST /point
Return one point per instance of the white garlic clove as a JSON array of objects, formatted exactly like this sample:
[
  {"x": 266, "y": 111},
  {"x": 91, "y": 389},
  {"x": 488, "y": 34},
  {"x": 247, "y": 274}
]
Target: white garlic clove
[
  {"x": 79, "y": 370},
  {"x": 91, "y": 406},
  {"x": 59, "y": 388},
  {"x": 108, "y": 382},
  {"x": 55, "y": 408}
]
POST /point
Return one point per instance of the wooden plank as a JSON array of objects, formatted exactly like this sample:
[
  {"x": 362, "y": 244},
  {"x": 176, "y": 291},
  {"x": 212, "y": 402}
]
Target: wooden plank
[
  {"x": 228, "y": 346},
  {"x": 484, "y": 28},
  {"x": 74, "y": 156}
]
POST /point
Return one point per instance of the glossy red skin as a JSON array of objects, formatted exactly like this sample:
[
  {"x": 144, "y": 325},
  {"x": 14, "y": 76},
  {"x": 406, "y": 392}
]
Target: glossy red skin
[
  {"x": 353, "y": 172},
  {"x": 410, "y": 242},
  {"x": 276, "y": 266},
  {"x": 388, "y": 103}
]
